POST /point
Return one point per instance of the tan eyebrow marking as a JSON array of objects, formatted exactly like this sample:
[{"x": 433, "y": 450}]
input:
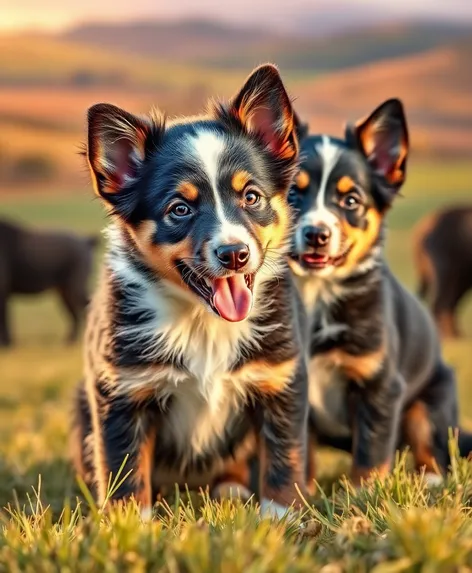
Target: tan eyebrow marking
[
  {"x": 188, "y": 190},
  {"x": 239, "y": 180},
  {"x": 345, "y": 184},
  {"x": 302, "y": 180}
]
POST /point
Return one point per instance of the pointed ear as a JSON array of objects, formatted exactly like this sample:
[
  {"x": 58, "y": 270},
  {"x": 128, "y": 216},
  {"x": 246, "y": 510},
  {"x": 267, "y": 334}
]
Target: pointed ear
[
  {"x": 263, "y": 107},
  {"x": 116, "y": 150},
  {"x": 383, "y": 139}
]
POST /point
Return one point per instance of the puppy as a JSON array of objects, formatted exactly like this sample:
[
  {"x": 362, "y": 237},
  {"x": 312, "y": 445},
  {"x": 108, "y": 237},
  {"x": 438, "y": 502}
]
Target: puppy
[
  {"x": 376, "y": 375},
  {"x": 192, "y": 352}
]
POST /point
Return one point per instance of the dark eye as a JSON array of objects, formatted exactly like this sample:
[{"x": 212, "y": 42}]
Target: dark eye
[
  {"x": 251, "y": 197},
  {"x": 292, "y": 194},
  {"x": 180, "y": 210},
  {"x": 350, "y": 202}
]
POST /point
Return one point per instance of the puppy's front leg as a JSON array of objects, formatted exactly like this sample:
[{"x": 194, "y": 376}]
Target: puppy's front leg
[
  {"x": 376, "y": 426},
  {"x": 284, "y": 443},
  {"x": 123, "y": 430}
]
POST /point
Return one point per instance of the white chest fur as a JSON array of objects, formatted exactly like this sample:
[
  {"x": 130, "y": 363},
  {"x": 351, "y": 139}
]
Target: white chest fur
[
  {"x": 204, "y": 400},
  {"x": 204, "y": 394},
  {"x": 317, "y": 295},
  {"x": 194, "y": 422}
]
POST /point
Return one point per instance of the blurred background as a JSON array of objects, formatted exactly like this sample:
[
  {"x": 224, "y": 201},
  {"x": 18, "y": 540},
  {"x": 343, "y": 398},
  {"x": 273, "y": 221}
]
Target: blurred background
[{"x": 339, "y": 58}]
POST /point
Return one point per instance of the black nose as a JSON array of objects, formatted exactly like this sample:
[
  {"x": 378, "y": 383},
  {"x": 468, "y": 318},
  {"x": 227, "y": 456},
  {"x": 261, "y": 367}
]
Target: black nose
[
  {"x": 316, "y": 235},
  {"x": 233, "y": 257}
]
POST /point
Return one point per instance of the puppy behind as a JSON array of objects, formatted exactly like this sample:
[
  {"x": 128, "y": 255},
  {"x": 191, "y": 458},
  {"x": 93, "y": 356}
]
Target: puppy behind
[
  {"x": 193, "y": 359},
  {"x": 377, "y": 377}
]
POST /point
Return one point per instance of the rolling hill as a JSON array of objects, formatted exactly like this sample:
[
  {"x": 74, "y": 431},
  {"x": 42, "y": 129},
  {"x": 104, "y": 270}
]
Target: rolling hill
[
  {"x": 215, "y": 44},
  {"x": 181, "y": 40},
  {"x": 350, "y": 49},
  {"x": 436, "y": 87},
  {"x": 28, "y": 59},
  {"x": 198, "y": 52},
  {"x": 47, "y": 82}
]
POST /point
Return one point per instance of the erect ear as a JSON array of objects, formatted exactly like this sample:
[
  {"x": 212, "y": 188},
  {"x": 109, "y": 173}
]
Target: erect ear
[
  {"x": 263, "y": 107},
  {"x": 117, "y": 147},
  {"x": 383, "y": 139}
]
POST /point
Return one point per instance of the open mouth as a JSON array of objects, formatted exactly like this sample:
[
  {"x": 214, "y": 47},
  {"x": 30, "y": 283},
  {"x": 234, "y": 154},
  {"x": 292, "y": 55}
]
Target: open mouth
[
  {"x": 229, "y": 297},
  {"x": 318, "y": 261}
]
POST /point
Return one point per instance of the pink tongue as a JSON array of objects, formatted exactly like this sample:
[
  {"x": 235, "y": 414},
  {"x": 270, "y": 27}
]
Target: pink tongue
[
  {"x": 232, "y": 298},
  {"x": 316, "y": 258}
]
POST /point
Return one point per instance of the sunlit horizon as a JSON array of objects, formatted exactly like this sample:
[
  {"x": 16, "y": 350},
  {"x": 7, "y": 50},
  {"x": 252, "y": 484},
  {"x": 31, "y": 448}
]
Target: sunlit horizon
[{"x": 55, "y": 15}]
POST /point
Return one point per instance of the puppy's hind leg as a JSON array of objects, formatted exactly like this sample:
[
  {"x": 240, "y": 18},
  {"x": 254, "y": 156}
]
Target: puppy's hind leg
[
  {"x": 430, "y": 419},
  {"x": 418, "y": 435}
]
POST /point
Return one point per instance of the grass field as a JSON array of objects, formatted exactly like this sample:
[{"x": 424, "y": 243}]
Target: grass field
[{"x": 395, "y": 526}]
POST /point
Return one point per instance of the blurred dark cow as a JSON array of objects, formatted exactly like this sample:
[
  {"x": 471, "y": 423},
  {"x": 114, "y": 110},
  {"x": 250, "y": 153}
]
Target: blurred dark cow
[
  {"x": 443, "y": 254},
  {"x": 34, "y": 261}
]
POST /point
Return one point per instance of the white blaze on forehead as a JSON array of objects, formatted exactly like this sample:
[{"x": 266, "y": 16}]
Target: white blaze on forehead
[
  {"x": 208, "y": 147},
  {"x": 329, "y": 153}
]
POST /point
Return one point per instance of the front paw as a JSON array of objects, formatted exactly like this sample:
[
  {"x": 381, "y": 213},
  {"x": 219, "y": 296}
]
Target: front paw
[
  {"x": 231, "y": 490},
  {"x": 146, "y": 514},
  {"x": 433, "y": 480},
  {"x": 274, "y": 510}
]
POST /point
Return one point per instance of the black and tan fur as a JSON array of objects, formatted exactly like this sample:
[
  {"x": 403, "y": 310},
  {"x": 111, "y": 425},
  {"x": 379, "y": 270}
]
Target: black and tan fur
[
  {"x": 186, "y": 394},
  {"x": 376, "y": 377}
]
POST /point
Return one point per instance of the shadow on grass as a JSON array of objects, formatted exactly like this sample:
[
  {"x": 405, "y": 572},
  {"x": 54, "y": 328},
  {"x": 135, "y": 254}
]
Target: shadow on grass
[
  {"x": 56, "y": 482},
  {"x": 55, "y": 479}
]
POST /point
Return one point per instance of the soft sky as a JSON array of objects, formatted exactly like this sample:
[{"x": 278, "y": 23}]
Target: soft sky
[{"x": 55, "y": 14}]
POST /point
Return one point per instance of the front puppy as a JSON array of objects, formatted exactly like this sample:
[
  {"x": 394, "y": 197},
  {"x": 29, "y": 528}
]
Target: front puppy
[
  {"x": 192, "y": 349},
  {"x": 377, "y": 378}
]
